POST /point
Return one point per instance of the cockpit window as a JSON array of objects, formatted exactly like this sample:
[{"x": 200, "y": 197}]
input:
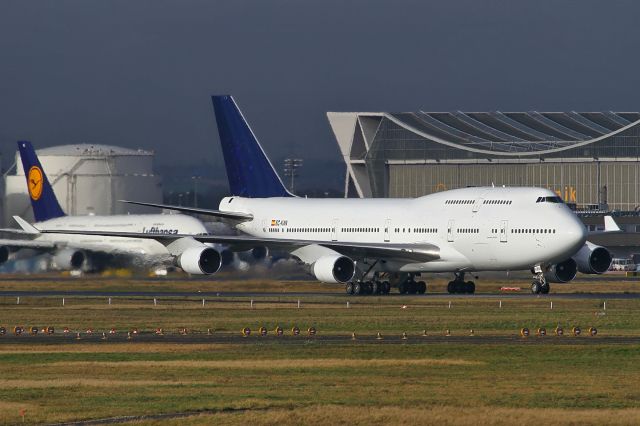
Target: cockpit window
[{"x": 556, "y": 200}]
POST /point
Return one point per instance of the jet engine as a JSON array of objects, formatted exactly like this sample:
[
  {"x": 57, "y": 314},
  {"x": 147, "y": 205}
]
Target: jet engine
[
  {"x": 333, "y": 269},
  {"x": 4, "y": 254},
  {"x": 258, "y": 253},
  {"x": 562, "y": 272},
  {"x": 200, "y": 260},
  {"x": 68, "y": 259},
  {"x": 593, "y": 259}
]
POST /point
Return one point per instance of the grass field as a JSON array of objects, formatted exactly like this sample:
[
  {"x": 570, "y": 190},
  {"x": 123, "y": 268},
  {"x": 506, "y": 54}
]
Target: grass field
[{"x": 266, "y": 382}]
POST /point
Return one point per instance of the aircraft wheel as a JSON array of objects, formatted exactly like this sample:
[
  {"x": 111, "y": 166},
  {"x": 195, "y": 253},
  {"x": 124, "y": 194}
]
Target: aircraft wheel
[
  {"x": 413, "y": 287},
  {"x": 535, "y": 287},
  {"x": 349, "y": 288},
  {"x": 451, "y": 287},
  {"x": 470, "y": 287},
  {"x": 386, "y": 287},
  {"x": 357, "y": 288},
  {"x": 375, "y": 287},
  {"x": 460, "y": 287},
  {"x": 422, "y": 287},
  {"x": 544, "y": 289}
]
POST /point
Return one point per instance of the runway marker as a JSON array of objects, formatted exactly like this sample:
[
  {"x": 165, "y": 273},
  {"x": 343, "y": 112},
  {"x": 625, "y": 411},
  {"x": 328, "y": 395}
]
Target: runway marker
[
  {"x": 109, "y": 302},
  {"x": 155, "y": 302},
  {"x": 18, "y": 301},
  {"x": 63, "y": 301},
  {"x": 449, "y": 304},
  {"x": 604, "y": 305},
  {"x": 251, "y": 304},
  {"x": 298, "y": 303},
  {"x": 203, "y": 303},
  {"x": 500, "y": 306},
  {"x": 347, "y": 304},
  {"x": 552, "y": 304}
]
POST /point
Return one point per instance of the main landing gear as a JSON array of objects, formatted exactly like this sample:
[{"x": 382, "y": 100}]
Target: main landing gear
[
  {"x": 368, "y": 287},
  {"x": 411, "y": 286},
  {"x": 458, "y": 286},
  {"x": 539, "y": 284}
]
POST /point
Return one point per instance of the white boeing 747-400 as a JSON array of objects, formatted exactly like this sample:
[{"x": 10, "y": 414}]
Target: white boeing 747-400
[
  {"x": 361, "y": 242},
  {"x": 77, "y": 251}
]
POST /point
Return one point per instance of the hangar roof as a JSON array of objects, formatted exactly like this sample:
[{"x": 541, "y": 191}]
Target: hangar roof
[
  {"x": 86, "y": 149},
  {"x": 516, "y": 131}
]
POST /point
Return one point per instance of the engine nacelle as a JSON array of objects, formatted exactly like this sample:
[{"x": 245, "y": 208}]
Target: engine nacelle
[
  {"x": 68, "y": 259},
  {"x": 562, "y": 272},
  {"x": 200, "y": 260},
  {"x": 593, "y": 259},
  {"x": 4, "y": 254},
  {"x": 258, "y": 253},
  {"x": 334, "y": 269}
]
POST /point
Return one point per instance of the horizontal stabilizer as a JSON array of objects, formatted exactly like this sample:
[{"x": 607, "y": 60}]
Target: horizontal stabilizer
[{"x": 234, "y": 216}]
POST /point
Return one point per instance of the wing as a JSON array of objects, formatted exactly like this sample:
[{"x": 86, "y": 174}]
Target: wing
[
  {"x": 402, "y": 252},
  {"x": 33, "y": 244},
  {"x": 232, "y": 216}
]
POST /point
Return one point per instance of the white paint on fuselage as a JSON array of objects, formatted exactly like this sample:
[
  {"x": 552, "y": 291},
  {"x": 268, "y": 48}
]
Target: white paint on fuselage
[
  {"x": 476, "y": 229},
  {"x": 145, "y": 223}
]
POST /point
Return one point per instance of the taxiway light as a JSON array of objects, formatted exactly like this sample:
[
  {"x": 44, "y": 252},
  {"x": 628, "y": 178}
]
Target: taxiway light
[
  {"x": 541, "y": 332},
  {"x": 404, "y": 335},
  {"x": 263, "y": 331},
  {"x": 471, "y": 332},
  {"x": 424, "y": 333},
  {"x": 159, "y": 331},
  {"x": 246, "y": 332},
  {"x": 89, "y": 331},
  {"x": 593, "y": 331},
  {"x": 353, "y": 336},
  {"x": 447, "y": 332},
  {"x": 17, "y": 330},
  {"x": 65, "y": 330},
  {"x": 379, "y": 336},
  {"x": 112, "y": 331},
  {"x": 50, "y": 330},
  {"x": 311, "y": 331},
  {"x": 524, "y": 332},
  {"x": 559, "y": 331},
  {"x": 279, "y": 331},
  {"x": 295, "y": 331},
  {"x": 576, "y": 331},
  {"x": 134, "y": 331},
  {"x": 33, "y": 331}
]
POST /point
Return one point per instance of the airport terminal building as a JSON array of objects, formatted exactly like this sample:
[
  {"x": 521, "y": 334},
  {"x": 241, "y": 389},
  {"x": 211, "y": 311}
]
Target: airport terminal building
[{"x": 590, "y": 159}]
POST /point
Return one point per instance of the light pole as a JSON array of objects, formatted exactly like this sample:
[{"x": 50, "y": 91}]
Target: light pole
[
  {"x": 195, "y": 189},
  {"x": 291, "y": 165}
]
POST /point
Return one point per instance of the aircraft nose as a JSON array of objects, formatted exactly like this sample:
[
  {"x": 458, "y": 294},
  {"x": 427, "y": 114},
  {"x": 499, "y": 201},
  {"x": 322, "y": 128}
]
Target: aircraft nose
[{"x": 575, "y": 233}]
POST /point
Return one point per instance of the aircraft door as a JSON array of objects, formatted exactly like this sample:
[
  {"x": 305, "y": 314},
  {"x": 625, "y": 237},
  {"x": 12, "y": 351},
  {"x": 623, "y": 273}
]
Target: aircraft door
[
  {"x": 450, "y": 226},
  {"x": 334, "y": 230},
  {"x": 503, "y": 231},
  {"x": 477, "y": 204},
  {"x": 387, "y": 230}
]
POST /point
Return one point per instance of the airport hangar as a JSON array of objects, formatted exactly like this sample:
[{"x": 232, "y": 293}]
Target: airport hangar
[{"x": 590, "y": 159}]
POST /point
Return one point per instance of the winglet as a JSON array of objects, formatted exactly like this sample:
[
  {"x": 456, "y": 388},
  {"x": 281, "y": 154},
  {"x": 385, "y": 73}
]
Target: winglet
[
  {"x": 610, "y": 225},
  {"x": 26, "y": 226},
  {"x": 249, "y": 170},
  {"x": 43, "y": 200}
]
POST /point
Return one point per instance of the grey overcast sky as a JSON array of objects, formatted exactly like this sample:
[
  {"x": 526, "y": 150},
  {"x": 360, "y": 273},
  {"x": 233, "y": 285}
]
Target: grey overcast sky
[{"x": 139, "y": 73}]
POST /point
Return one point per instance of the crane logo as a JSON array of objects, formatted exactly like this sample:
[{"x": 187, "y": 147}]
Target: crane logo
[{"x": 34, "y": 182}]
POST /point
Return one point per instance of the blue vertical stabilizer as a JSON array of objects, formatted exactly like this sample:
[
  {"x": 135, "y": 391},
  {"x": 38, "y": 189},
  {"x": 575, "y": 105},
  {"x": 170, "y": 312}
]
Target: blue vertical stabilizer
[
  {"x": 43, "y": 200},
  {"x": 249, "y": 171}
]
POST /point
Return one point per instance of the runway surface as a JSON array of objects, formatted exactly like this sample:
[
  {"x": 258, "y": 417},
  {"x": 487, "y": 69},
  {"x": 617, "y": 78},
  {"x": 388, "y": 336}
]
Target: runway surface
[
  {"x": 192, "y": 294},
  {"x": 287, "y": 339}
]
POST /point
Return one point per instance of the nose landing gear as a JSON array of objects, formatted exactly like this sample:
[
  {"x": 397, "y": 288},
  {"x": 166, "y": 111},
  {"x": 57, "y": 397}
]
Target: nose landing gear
[
  {"x": 459, "y": 286},
  {"x": 539, "y": 284}
]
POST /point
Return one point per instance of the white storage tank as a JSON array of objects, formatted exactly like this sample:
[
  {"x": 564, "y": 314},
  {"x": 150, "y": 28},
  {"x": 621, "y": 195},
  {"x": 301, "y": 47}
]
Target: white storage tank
[{"x": 88, "y": 179}]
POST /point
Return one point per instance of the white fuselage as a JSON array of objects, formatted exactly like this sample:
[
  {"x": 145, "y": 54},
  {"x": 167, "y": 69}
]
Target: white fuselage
[
  {"x": 143, "y": 223},
  {"x": 475, "y": 229}
]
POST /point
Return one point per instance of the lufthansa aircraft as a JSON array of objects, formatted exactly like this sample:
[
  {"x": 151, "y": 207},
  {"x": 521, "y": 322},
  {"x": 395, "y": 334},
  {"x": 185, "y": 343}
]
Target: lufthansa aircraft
[
  {"x": 366, "y": 243},
  {"x": 77, "y": 251}
]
